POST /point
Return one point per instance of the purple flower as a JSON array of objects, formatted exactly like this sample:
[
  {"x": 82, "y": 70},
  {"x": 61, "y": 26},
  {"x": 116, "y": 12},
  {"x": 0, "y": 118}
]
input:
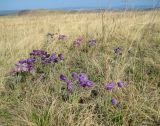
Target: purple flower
[
  {"x": 54, "y": 58},
  {"x": 120, "y": 84},
  {"x": 118, "y": 50},
  {"x": 62, "y": 37},
  {"x": 82, "y": 83},
  {"x": 114, "y": 101},
  {"x": 70, "y": 86},
  {"x": 75, "y": 76},
  {"x": 83, "y": 79},
  {"x": 23, "y": 67},
  {"x": 30, "y": 60},
  {"x": 35, "y": 53},
  {"x": 22, "y": 61},
  {"x": 109, "y": 86},
  {"x": 61, "y": 56},
  {"x": 40, "y": 53},
  {"x": 63, "y": 77},
  {"x": 92, "y": 42},
  {"x": 89, "y": 83},
  {"x": 78, "y": 41}
]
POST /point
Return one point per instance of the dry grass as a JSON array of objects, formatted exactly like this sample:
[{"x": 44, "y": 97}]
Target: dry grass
[{"x": 36, "y": 103}]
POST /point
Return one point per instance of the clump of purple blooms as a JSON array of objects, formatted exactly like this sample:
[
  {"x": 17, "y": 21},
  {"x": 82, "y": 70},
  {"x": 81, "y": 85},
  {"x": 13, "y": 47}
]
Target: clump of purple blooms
[
  {"x": 110, "y": 86},
  {"x": 81, "y": 78},
  {"x": 25, "y": 65},
  {"x": 40, "y": 56},
  {"x": 84, "y": 81}
]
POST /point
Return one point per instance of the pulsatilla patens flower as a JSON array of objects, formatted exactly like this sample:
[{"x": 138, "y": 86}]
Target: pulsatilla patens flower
[
  {"x": 114, "y": 101},
  {"x": 75, "y": 76},
  {"x": 120, "y": 84},
  {"x": 109, "y": 86},
  {"x": 63, "y": 77},
  {"x": 92, "y": 42}
]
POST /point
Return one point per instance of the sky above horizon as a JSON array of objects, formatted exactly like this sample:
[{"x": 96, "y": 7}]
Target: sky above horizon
[{"x": 58, "y": 4}]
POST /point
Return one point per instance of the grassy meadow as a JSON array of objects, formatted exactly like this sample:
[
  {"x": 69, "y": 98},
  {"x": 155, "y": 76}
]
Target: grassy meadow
[{"x": 47, "y": 102}]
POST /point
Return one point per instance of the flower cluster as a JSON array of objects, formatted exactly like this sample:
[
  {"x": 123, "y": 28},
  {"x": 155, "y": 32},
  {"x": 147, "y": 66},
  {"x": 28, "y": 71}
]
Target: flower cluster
[
  {"x": 25, "y": 65},
  {"x": 39, "y": 56},
  {"x": 46, "y": 58},
  {"x": 84, "y": 81},
  {"x": 110, "y": 86},
  {"x": 81, "y": 78}
]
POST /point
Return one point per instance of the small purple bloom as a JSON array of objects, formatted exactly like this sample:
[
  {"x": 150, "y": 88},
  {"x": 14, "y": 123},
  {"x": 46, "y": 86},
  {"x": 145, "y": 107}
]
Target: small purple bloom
[
  {"x": 109, "y": 86},
  {"x": 83, "y": 79},
  {"x": 70, "y": 86},
  {"x": 75, "y": 76},
  {"x": 118, "y": 50},
  {"x": 22, "y": 61},
  {"x": 82, "y": 83},
  {"x": 31, "y": 60},
  {"x": 61, "y": 56},
  {"x": 92, "y": 42},
  {"x": 114, "y": 101},
  {"x": 62, "y": 37},
  {"x": 89, "y": 83},
  {"x": 40, "y": 53},
  {"x": 63, "y": 77},
  {"x": 27, "y": 61},
  {"x": 120, "y": 84},
  {"x": 78, "y": 41},
  {"x": 54, "y": 58},
  {"x": 23, "y": 67}
]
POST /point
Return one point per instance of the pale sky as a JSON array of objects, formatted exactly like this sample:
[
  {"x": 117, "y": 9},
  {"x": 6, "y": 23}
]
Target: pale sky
[{"x": 60, "y": 4}]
